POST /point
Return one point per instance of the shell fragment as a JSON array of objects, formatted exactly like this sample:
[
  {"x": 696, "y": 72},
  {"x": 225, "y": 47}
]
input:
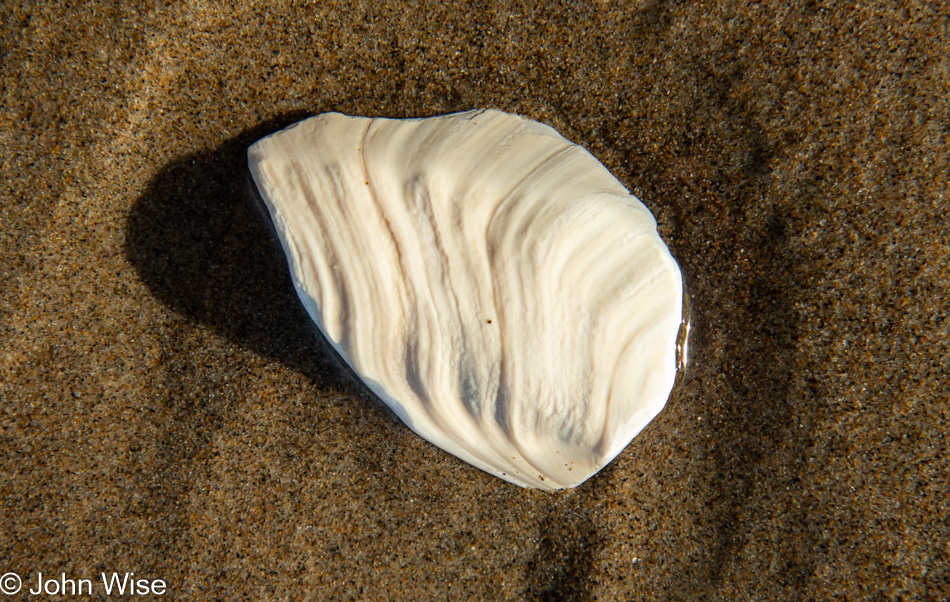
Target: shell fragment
[{"x": 489, "y": 280}]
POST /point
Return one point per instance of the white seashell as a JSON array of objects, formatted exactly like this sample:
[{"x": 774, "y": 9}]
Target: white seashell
[{"x": 489, "y": 280}]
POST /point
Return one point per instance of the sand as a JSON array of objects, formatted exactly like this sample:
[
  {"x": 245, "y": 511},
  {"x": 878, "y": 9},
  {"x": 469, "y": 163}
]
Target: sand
[{"x": 166, "y": 409}]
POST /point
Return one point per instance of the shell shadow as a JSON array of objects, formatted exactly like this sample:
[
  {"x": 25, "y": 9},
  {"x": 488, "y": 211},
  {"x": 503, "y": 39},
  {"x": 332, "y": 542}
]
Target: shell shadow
[{"x": 203, "y": 248}]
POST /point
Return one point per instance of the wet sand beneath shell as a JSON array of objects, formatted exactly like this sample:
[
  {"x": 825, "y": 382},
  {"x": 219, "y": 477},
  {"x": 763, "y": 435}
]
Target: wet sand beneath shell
[{"x": 168, "y": 410}]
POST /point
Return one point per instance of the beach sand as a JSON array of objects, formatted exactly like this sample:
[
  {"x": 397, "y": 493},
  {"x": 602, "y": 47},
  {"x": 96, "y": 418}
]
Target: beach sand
[{"x": 166, "y": 408}]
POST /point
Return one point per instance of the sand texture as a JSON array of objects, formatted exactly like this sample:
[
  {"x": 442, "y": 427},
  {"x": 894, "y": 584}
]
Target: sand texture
[{"x": 166, "y": 408}]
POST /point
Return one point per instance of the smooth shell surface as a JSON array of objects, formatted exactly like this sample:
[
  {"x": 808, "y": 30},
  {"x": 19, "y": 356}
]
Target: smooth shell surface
[{"x": 489, "y": 280}]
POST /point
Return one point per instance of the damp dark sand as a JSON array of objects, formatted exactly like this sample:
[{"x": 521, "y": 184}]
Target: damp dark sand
[{"x": 166, "y": 409}]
